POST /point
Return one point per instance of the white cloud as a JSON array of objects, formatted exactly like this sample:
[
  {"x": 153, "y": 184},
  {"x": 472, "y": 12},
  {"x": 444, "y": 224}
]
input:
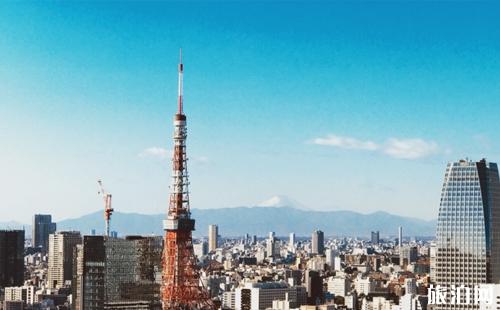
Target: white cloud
[
  {"x": 397, "y": 148},
  {"x": 346, "y": 143},
  {"x": 410, "y": 148},
  {"x": 156, "y": 152}
]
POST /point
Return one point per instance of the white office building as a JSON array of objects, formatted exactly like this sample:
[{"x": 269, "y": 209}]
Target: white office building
[
  {"x": 20, "y": 293},
  {"x": 260, "y": 296},
  {"x": 339, "y": 285}
]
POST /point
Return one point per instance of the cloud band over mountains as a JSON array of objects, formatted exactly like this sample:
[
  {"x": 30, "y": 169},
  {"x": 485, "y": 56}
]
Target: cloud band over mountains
[{"x": 411, "y": 149}]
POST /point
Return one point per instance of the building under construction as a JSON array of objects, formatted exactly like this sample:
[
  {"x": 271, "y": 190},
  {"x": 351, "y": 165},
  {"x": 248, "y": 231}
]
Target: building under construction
[
  {"x": 181, "y": 287},
  {"x": 115, "y": 273}
]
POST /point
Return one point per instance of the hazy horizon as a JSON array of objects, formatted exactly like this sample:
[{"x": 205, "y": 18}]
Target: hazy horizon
[{"x": 296, "y": 205}]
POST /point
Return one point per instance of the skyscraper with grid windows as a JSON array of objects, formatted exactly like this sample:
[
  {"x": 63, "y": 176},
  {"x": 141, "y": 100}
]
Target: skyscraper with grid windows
[{"x": 468, "y": 228}]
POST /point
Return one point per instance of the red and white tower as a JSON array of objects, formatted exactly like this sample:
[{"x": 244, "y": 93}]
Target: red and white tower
[{"x": 181, "y": 287}]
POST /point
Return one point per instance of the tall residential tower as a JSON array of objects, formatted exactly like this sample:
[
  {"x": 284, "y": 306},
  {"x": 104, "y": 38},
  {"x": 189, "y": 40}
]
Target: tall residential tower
[
  {"x": 61, "y": 249},
  {"x": 213, "y": 235}
]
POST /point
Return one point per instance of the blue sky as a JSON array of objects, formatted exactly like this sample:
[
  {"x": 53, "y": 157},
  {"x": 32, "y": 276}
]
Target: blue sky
[{"x": 338, "y": 105}]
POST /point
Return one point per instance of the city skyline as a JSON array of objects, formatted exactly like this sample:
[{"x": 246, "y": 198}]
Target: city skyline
[{"x": 363, "y": 113}]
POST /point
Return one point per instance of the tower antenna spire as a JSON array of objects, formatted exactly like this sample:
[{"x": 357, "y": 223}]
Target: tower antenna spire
[
  {"x": 181, "y": 70},
  {"x": 181, "y": 287}
]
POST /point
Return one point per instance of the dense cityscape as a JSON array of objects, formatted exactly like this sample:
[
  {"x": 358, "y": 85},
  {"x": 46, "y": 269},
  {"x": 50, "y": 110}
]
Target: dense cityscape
[
  {"x": 68, "y": 270},
  {"x": 292, "y": 155},
  {"x": 55, "y": 269}
]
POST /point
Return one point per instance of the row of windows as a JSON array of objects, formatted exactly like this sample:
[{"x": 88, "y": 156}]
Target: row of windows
[
  {"x": 456, "y": 231},
  {"x": 461, "y": 207},
  {"x": 450, "y": 198},
  {"x": 465, "y": 215},
  {"x": 449, "y": 224},
  {"x": 462, "y": 191}
]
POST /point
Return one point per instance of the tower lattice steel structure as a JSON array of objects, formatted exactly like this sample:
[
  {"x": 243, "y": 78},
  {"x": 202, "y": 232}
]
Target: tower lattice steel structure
[{"x": 181, "y": 287}]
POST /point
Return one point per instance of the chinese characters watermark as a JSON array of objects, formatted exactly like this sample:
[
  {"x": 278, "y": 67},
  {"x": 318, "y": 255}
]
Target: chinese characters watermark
[{"x": 460, "y": 295}]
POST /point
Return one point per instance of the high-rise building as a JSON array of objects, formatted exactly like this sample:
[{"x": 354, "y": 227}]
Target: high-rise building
[
  {"x": 330, "y": 257},
  {"x": 314, "y": 287},
  {"x": 432, "y": 258},
  {"x": 213, "y": 235},
  {"x": 318, "y": 242},
  {"x": 132, "y": 270},
  {"x": 293, "y": 276},
  {"x": 113, "y": 273},
  {"x": 400, "y": 236},
  {"x": 42, "y": 228},
  {"x": 144, "y": 289},
  {"x": 11, "y": 258},
  {"x": 121, "y": 261},
  {"x": 88, "y": 274},
  {"x": 291, "y": 242},
  {"x": 272, "y": 234},
  {"x": 200, "y": 249},
  {"x": 61, "y": 248},
  {"x": 468, "y": 227},
  {"x": 375, "y": 237},
  {"x": 272, "y": 247},
  {"x": 407, "y": 255}
]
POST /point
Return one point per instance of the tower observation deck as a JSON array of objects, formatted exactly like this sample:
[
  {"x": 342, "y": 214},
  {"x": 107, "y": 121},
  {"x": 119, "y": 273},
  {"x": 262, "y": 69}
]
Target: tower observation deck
[{"x": 181, "y": 286}]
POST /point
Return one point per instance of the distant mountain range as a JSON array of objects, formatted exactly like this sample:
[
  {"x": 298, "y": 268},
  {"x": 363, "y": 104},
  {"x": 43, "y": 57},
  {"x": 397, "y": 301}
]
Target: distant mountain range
[{"x": 272, "y": 215}]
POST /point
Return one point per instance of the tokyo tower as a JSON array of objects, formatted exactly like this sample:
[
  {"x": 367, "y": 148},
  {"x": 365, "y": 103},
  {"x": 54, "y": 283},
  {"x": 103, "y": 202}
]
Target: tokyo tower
[{"x": 181, "y": 286}]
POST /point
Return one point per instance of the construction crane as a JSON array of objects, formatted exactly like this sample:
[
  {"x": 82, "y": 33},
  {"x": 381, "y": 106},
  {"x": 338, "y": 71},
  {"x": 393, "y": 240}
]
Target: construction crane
[{"x": 108, "y": 210}]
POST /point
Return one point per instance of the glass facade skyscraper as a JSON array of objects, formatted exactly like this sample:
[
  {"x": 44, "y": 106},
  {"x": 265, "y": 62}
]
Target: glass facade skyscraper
[
  {"x": 42, "y": 228},
  {"x": 468, "y": 228}
]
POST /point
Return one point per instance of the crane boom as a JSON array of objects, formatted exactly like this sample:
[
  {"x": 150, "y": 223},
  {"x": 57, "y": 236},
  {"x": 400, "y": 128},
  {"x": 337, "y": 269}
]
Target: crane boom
[{"x": 108, "y": 210}]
